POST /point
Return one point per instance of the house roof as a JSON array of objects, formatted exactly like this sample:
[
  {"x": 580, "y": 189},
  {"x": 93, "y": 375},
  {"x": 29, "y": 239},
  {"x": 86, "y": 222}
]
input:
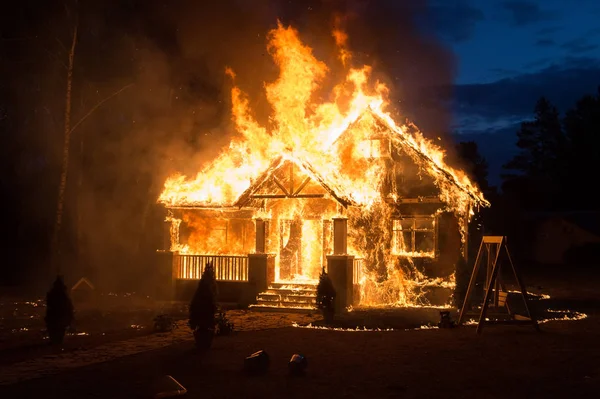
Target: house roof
[
  {"x": 408, "y": 143},
  {"x": 333, "y": 189},
  {"x": 446, "y": 178}
]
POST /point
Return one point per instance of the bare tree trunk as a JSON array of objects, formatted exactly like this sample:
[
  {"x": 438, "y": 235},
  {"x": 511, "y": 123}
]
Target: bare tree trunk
[{"x": 65, "y": 161}]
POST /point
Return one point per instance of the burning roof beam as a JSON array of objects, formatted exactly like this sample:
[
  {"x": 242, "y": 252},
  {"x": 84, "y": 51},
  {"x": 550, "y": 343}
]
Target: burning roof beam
[
  {"x": 312, "y": 174},
  {"x": 416, "y": 152}
]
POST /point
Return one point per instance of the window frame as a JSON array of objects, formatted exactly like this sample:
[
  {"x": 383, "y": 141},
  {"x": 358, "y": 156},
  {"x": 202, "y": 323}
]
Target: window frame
[{"x": 397, "y": 222}]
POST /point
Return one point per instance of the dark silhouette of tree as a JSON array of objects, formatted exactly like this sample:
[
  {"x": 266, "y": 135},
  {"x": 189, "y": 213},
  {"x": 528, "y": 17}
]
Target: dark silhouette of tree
[
  {"x": 536, "y": 172},
  {"x": 483, "y": 222},
  {"x": 476, "y": 164},
  {"x": 582, "y": 127},
  {"x": 59, "y": 311}
]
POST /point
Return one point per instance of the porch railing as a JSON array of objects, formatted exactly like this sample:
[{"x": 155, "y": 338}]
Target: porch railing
[
  {"x": 227, "y": 267},
  {"x": 357, "y": 270}
]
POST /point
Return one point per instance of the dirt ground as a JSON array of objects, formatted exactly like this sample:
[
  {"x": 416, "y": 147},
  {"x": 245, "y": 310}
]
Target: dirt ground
[{"x": 504, "y": 361}]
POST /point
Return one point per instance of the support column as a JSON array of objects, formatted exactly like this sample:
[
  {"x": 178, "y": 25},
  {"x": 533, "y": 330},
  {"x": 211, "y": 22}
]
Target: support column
[
  {"x": 257, "y": 271},
  {"x": 339, "y": 268},
  {"x": 340, "y": 236},
  {"x": 262, "y": 229}
]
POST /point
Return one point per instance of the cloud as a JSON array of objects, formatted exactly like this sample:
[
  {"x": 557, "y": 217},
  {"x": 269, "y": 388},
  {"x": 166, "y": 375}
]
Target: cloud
[
  {"x": 525, "y": 12},
  {"x": 549, "y": 30},
  {"x": 454, "y": 21},
  {"x": 545, "y": 43},
  {"x": 562, "y": 83},
  {"x": 579, "y": 45}
]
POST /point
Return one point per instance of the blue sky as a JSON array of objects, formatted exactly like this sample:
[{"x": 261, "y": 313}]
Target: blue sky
[
  {"x": 508, "y": 53},
  {"x": 495, "y": 39}
]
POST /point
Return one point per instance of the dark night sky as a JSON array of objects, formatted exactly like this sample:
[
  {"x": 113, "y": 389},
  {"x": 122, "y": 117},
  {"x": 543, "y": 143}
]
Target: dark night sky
[{"x": 509, "y": 53}]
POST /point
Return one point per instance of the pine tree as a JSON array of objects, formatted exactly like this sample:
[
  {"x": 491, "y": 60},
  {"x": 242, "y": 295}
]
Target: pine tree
[
  {"x": 477, "y": 165},
  {"x": 326, "y": 296},
  {"x": 538, "y": 168},
  {"x": 59, "y": 311},
  {"x": 582, "y": 126},
  {"x": 203, "y": 308}
]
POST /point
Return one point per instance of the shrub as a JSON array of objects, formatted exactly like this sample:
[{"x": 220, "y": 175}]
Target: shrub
[
  {"x": 326, "y": 296},
  {"x": 203, "y": 308},
  {"x": 164, "y": 323},
  {"x": 59, "y": 311},
  {"x": 224, "y": 326}
]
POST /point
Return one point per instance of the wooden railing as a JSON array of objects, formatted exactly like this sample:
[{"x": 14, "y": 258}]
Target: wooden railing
[
  {"x": 357, "y": 269},
  {"x": 227, "y": 267}
]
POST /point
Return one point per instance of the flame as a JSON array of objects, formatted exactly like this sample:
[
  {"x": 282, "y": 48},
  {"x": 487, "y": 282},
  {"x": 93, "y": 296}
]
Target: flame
[{"x": 343, "y": 143}]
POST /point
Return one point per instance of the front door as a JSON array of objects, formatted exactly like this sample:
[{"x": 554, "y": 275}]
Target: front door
[{"x": 300, "y": 249}]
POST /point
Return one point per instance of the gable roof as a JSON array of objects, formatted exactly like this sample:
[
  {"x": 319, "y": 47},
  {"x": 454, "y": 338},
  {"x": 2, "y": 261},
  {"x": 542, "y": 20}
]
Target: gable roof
[
  {"x": 329, "y": 186},
  {"x": 449, "y": 181},
  {"x": 410, "y": 145}
]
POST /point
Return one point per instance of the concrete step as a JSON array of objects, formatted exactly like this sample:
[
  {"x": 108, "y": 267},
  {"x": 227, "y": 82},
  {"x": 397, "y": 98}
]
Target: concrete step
[
  {"x": 282, "y": 296},
  {"x": 287, "y": 297},
  {"x": 282, "y": 309},
  {"x": 294, "y": 287}
]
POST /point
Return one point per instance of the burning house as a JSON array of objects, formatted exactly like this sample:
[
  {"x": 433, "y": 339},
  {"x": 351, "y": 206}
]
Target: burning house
[{"x": 335, "y": 184}]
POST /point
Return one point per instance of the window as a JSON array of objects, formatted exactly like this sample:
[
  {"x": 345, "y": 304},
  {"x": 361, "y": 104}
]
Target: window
[
  {"x": 414, "y": 236},
  {"x": 373, "y": 148}
]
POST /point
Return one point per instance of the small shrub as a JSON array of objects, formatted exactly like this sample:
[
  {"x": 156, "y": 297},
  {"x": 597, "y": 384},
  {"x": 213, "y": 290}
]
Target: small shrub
[
  {"x": 164, "y": 323},
  {"x": 326, "y": 296},
  {"x": 59, "y": 311},
  {"x": 224, "y": 326},
  {"x": 203, "y": 308}
]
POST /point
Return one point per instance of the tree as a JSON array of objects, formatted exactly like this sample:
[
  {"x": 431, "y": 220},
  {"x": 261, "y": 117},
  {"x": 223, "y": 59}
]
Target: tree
[
  {"x": 477, "y": 165},
  {"x": 203, "y": 308},
  {"x": 537, "y": 171},
  {"x": 582, "y": 127},
  {"x": 326, "y": 296},
  {"x": 59, "y": 311},
  {"x": 66, "y": 145}
]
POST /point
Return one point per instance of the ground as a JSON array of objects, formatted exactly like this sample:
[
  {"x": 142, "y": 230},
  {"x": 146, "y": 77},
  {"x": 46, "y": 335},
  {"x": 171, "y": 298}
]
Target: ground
[{"x": 516, "y": 361}]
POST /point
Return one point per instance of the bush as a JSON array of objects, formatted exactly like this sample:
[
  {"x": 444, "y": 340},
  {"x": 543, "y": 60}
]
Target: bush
[
  {"x": 326, "y": 296},
  {"x": 203, "y": 308},
  {"x": 59, "y": 311},
  {"x": 224, "y": 326},
  {"x": 164, "y": 323}
]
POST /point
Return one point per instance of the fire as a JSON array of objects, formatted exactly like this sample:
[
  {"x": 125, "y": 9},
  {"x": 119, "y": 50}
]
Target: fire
[{"x": 332, "y": 142}]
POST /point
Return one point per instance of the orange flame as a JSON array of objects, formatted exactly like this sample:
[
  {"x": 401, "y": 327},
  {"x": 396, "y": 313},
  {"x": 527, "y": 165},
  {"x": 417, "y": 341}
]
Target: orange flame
[{"x": 334, "y": 137}]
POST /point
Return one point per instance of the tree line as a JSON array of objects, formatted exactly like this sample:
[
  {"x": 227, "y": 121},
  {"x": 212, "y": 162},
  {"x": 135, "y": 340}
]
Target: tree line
[{"x": 553, "y": 171}]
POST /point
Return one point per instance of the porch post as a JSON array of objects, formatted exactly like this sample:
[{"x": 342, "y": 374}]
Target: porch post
[
  {"x": 261, "y": 236},
  {"x": 340, "y": 236},
  {"x": 339, "y": 268}
]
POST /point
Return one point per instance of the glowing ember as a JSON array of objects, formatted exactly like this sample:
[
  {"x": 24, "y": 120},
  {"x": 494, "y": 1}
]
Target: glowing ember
[
  {"x": 362, "y": 329},
  {"x": 357, "y": 329},
  {"x": 567, "y": 315},
  {"x": 320, "y": 157}
]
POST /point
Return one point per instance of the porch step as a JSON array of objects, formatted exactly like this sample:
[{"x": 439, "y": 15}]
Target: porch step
[{"x": 287, "y": 297}]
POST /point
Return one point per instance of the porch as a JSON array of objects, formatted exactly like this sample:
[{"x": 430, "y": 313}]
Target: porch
[{"x": 249, "y": 280}]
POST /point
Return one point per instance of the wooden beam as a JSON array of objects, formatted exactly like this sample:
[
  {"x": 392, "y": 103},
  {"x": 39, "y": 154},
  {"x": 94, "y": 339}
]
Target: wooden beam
[
  {"x": 422, "y": 200},
  {"x": 269, "y": 196},
  {"x": 302, "y": 185},
  {"x": 281, "y": 186}
]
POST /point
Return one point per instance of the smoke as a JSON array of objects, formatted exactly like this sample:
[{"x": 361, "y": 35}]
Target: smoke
[{"x": 173, "y": 115}]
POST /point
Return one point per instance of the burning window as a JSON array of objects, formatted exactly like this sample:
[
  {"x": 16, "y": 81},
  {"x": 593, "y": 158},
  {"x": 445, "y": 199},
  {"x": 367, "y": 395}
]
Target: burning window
[
  {"x": 414, "y": 236},
  {"x": 371, "y": 148}
]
